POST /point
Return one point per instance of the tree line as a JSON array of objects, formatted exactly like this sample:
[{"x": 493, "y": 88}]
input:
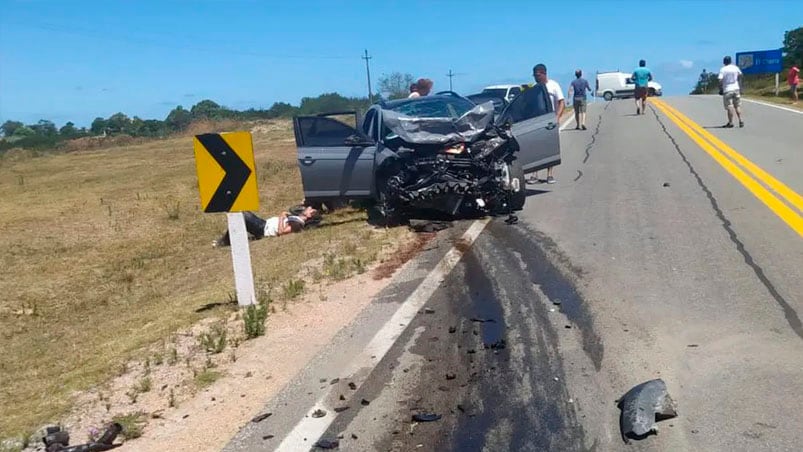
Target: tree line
[
  {"x": 46, "y": 135},
  {"x": 708, "y": 83}
]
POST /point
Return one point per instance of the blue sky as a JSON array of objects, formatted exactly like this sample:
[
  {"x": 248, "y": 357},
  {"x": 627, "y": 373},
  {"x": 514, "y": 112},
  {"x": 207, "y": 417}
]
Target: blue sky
[{"x": 75, "y": 60}]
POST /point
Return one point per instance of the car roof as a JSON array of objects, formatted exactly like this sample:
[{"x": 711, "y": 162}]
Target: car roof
[{"x": 500, "y": 86}]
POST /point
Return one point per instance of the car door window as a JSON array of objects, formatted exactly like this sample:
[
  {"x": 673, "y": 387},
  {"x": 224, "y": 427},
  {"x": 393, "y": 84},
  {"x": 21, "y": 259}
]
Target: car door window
[
  {"x": 319, "y": 131},
  {"x": 529, "y": 104}
]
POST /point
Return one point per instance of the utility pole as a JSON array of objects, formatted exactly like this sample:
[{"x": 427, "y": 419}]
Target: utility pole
[
  {"x": 368, "y": 73},
  {"x": 450, "y": 75}
]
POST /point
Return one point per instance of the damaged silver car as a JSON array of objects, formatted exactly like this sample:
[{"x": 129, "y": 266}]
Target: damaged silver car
[{"x": 441, "y": 153}]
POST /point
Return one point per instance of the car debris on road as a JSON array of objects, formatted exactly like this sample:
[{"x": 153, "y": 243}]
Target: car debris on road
[{"x": 642, "y": 407}]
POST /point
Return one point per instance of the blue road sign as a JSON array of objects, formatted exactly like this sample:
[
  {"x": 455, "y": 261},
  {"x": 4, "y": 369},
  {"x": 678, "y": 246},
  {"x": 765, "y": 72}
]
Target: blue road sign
[{"x": 760, "y": 61}]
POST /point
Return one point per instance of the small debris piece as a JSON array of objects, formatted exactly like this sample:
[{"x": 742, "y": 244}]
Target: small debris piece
[
  {"x": 451, "y": 376},
  {"x": 185, "y": 416},
  {"x": 460, "y": 407},
  {"x": 341, "y": 409},
  {"x": 481, "y": 320},
  {"x": 327, "y": 444},
  {"x": 334, "y": 381},
  {"x": 452, "y": 330},
  {"x": 429, "y": 311},
  {"x": 261, "y": 417},
  {"x": 323, "y": 380},
  {"x": 443, "y": 388},
  {"x": 568, "y": 327},
  {"x": 556, "y": 302},
  {"x": 642, "y": 407},
  {"x": 352, "y": 386},
  {"x": 692, "y": 346},
  {"x": 342, "y": 397},
  {"x": 267, "y": 437},
  {"x": 365, "y": 402},
  {"x": 512, "y": 219},
  {"x": 249, "y": 374},
  {"x": 498, "y": 345},
  {"x": 353, "y": 436},
  {"x": 426, "y": 417},
  {"x": 666, "y": 184},
  {"x": 318, "y": 413},
  {"x": 428, "y": 225}
]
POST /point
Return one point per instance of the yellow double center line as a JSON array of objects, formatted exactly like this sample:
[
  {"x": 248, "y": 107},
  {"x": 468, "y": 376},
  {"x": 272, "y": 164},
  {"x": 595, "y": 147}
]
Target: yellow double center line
[{"x": 742, "y": 169}]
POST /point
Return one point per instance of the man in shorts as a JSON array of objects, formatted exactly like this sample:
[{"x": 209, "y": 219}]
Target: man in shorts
[
  {"x": 730, "y": 78},
  {"x": 641, "y": 77},
  {"x": 579, "y": 100},
  {"x": 794, "y": 80}
]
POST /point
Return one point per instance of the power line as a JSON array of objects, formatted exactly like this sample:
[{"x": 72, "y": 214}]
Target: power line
[{"x": 450, "y": 75}]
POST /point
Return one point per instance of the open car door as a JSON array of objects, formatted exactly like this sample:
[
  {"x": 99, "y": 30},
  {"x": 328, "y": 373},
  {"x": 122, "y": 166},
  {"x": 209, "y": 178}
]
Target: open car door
[
  {"x": 335, "y": 160},
  {"x": 535, "y": 127}
]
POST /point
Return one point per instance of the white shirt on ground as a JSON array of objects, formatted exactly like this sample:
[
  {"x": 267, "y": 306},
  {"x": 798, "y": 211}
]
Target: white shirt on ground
[
  {"x": 555, "y": 93},
  {"x": 272, "y": 227},
  {"x": 730, "y": 77}
]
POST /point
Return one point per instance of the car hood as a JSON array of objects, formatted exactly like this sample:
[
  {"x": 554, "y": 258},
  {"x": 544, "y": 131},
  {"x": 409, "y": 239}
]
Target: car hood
[{"x": 416, "y": 130}]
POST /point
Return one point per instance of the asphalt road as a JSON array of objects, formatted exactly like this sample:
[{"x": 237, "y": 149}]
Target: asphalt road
[{"x": 649, "y": 258}]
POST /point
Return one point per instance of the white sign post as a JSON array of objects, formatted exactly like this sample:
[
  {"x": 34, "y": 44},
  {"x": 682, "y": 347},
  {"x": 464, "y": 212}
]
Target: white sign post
[{"x": 241, "y": 258}]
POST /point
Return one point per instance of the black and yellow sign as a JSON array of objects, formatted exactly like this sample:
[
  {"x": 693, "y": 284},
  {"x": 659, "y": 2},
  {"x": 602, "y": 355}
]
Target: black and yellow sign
[{"x": 226, "y": 172}]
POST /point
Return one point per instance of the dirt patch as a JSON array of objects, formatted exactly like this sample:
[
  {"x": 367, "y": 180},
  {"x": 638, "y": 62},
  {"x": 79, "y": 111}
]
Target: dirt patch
[{"x": 387, "y": 268}]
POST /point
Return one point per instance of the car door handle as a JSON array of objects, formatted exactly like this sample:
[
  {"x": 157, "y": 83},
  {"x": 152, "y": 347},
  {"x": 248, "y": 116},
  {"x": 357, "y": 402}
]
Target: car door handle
[
  {"x": 551, "y": 126},
  {"x": 308, "y": 160}
]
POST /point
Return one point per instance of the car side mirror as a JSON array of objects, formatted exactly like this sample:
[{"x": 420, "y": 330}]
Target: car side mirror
[{"x": 357, "y": 141}]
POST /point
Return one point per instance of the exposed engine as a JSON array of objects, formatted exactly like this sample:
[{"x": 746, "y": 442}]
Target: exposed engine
[{"x": 458, "y": 171}]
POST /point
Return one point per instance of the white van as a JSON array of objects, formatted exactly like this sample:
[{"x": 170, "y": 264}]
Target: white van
[
  {"x": 507, "y": 92},
  {"x": 618, "y": 85}
]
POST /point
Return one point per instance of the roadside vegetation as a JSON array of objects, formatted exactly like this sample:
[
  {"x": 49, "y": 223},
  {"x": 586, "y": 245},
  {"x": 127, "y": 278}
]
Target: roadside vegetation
[
  {"x": 762, "y": 86},
  {"x": 106, "y": 255}
]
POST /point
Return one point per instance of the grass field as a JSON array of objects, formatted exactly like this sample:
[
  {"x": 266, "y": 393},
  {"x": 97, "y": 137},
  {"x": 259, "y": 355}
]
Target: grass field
[{"x": 106, "y": 251}]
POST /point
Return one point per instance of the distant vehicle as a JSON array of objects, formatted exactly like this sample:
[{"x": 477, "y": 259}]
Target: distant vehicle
[
  {"x": 619, "y": 85},
  {"x": 480, "y": 98},
  {"x": 507, "y": 92}
]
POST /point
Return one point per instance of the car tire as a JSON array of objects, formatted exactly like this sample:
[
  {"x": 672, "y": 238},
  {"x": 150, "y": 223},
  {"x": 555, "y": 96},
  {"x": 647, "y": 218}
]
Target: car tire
[
  {"x": 608, "y": 96},
  {"x": 517, "y": 198},
  {"x": 651, "y": 92}
]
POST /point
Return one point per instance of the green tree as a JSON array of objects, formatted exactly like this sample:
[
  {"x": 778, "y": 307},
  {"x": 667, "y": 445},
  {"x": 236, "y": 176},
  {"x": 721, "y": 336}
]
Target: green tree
[
  {"x": 178, "y": 118},
  {"x": 68, "y": 130},
  {"x": 206, "y": 109},
  {"x": 98, "y": 126},
  {"x": 281, "y": 110},
  {"x": 44, "y": 128},
  {"x": 395, "y": 85},
  {"x": 9, "y": 127},
  {"x": 118, "y": 123},
  {"x": 24, "y": 131},
  {"x": 793, "y": 47}
]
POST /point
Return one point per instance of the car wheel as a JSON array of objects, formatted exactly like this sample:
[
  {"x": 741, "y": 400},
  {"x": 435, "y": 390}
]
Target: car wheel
[
  {"x": 608, "y": 96},
  {"x": 518, "y": 190},
  {"x": 651, "y": 91}
]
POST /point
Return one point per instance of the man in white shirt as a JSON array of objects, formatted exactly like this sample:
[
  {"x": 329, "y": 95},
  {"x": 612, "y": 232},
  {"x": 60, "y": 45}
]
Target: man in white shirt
[
  {"x": 558, "y": 103},
  {"x": 730, "y": 78}
]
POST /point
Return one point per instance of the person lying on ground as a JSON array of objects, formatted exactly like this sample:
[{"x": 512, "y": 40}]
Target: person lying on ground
[{"x": 294, "y": 220}]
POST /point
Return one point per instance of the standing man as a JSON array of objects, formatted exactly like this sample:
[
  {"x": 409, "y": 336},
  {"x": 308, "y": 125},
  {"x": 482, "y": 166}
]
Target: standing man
[
  {"x": 579, "y": 100},
  {"x": 793, "y": 79},
  {"x": 558, "y": 103},
  {"x": 641, "y": 77},
  {"x": 730, "y": 85}
]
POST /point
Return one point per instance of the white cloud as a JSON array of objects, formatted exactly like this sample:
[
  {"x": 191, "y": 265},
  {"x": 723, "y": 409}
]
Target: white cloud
[{"x": 686, "y": 64}]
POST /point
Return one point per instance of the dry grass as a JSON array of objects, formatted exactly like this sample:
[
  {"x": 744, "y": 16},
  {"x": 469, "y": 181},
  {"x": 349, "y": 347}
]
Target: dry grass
[{"x": 107, "y": 251}]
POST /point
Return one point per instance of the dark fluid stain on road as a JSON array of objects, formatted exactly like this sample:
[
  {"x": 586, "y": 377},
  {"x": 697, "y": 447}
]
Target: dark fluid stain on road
[
  {"x": 484, "y": 304},
  {"x": 789, "y": 312},
  {"x": 535, "y": 250}
]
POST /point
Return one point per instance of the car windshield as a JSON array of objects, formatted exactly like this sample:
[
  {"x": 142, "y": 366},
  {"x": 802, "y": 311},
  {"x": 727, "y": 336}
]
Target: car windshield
[
  {"x": 495, "y": 92},
  {"x": 436, "y": 107}
]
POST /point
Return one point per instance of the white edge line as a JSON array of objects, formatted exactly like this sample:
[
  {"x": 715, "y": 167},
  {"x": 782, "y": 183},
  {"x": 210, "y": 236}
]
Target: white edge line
[
  {"x": 767, "y": 104},
  {"x": 310, "y": 428},
  {"x": 565, "y": 123}
]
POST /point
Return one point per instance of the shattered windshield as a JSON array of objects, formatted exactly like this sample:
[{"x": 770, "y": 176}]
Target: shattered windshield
[
  {"x": 435, "y": 108},
  {"x": 438, "y": 129}
]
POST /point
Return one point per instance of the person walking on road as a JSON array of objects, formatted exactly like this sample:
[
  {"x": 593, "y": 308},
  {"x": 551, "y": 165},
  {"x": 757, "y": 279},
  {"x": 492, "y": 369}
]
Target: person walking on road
[
  {"x": 641, "y": 77},
  {"x": 794, "y": 80},
  {"x": 579, "y": 99},
  {"x": 730, "y": 85}
]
